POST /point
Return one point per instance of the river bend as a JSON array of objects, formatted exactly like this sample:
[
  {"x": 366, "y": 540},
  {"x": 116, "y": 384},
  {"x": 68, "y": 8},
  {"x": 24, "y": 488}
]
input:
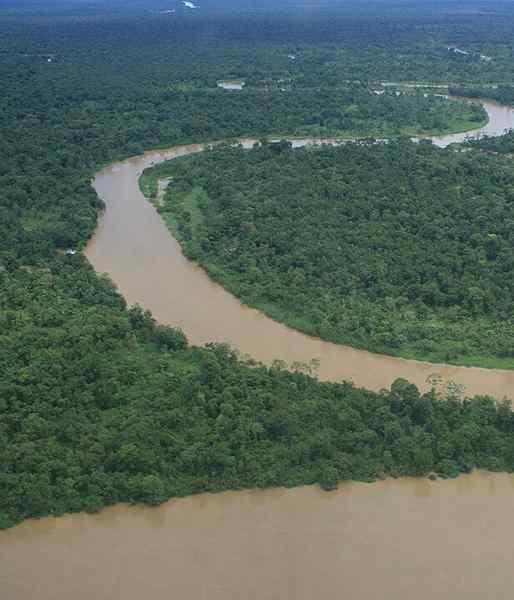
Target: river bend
[{"x": 133, "y": 245}]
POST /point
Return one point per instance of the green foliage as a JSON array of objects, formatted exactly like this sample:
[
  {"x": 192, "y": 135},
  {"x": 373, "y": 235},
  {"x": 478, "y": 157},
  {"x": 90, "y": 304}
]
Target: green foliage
[
  {"x": 399, "y": 248},
  {"x": 98, "y": 404}
]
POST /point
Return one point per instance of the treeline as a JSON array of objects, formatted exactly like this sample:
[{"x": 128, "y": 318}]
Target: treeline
[
  {"x": 400, "y": 248},
  {"x": 99, "y": 405}
]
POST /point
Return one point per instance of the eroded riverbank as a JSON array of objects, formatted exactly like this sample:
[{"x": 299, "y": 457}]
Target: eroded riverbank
[{"x": 133, "y": 245}]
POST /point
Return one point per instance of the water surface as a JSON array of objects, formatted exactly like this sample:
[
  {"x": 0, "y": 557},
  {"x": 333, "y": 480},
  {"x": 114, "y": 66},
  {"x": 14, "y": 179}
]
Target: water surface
[{"x": 397, "y": 540}]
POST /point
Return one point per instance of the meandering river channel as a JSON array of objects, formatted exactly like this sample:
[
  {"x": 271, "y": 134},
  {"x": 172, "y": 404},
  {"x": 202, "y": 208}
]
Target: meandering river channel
[
  {"x": 398, "y": 539},
  {"x": 134, "y": 246}
]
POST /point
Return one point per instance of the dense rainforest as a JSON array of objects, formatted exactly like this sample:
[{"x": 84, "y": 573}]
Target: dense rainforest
[
  {"x": 98, "y": 404},
  {"x": 396, "y": 247}
]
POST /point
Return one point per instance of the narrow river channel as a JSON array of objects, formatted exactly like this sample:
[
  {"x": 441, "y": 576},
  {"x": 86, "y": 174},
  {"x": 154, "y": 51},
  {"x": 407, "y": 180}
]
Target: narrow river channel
[{"x": 401, "y": 539}]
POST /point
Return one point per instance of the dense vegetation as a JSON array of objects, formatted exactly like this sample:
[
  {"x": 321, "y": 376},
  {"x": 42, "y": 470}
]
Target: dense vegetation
[
  {"x": 501, "y": 93},
  {"x": 400, "y": 248},
  {"x": 503, "y": 144},
  {"x": 97, "y": 404}
]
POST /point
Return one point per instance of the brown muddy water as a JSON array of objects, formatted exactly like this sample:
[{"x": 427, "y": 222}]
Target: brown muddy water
[
  {"x": 395, "y": 539},
  {"x": 133, "y": 245}
]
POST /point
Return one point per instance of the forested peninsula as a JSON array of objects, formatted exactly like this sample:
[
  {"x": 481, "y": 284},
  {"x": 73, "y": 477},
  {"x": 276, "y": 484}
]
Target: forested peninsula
[
  {"x": 99, "y": 404},
  {"x": 398, "y": 247}
]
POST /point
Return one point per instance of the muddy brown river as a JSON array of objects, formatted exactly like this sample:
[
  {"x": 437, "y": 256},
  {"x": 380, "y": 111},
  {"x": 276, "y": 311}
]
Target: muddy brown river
[{"x": 396, "y": 539}]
